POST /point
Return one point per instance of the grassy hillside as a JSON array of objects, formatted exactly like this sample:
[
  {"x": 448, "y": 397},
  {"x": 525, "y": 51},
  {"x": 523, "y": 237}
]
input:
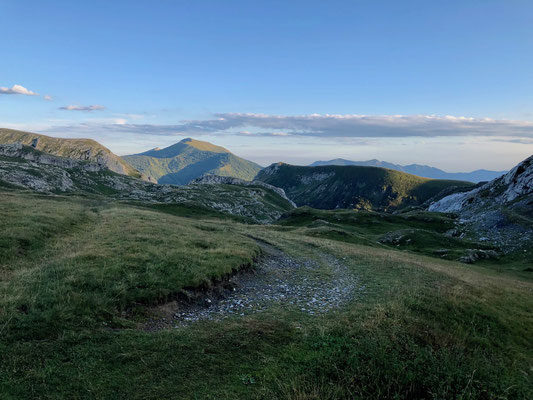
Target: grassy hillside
[
  {"x": 26, "y": 167},
  {"x": 190, "y": 159},
  {"x": 330, "y": 187},
  {"x": 80, "y": 149},
  {"x": 78, "y": 278},
  {"x": 433, "y": 234}
]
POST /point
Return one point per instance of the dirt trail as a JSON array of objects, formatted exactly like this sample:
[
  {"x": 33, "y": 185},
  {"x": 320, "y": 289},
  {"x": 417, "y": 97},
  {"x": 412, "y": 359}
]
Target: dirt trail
[{"x": 276, "y": 280}]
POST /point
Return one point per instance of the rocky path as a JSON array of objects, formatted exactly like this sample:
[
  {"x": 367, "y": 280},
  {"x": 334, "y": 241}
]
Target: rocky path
[{"x": 276, "y": 280}]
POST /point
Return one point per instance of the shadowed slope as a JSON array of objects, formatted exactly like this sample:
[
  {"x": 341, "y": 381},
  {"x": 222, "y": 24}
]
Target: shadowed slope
[
  {"x": 190, "y": 159},
  {"x": 330, "y": 187}
]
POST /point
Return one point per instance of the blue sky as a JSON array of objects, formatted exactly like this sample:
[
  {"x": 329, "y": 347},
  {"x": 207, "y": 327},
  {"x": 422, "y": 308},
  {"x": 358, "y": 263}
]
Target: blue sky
[{"x": 446, "y": 83}]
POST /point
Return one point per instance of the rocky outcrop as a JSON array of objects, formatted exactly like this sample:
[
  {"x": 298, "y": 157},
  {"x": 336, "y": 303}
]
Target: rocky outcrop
[
  {"x": 473, "y": 255},
  {"x": 76, "y": 149},
  {"x": 24, "y": 167},
  {"x": 226, "y": 180},
  {"x": 518, "y": 182},
  {"x": 499, "y": 211},
  {"x": 28, "y": 153},
  {"x": 514, "y": 184}
]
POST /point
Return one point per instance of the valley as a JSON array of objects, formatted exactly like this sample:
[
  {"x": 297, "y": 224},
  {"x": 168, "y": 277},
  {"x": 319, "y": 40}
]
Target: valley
[
  {"x": 266, "y": 200},
  {"x": 115, "y": 286}
]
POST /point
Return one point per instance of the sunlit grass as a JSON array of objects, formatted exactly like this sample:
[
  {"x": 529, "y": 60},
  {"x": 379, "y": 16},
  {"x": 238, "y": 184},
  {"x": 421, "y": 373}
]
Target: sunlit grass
[{"x": 420, "y": 328}]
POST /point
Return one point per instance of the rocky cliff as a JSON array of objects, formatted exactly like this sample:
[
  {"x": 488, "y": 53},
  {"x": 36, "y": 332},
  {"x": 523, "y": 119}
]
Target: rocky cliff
[{"x": 500, "y": 210}]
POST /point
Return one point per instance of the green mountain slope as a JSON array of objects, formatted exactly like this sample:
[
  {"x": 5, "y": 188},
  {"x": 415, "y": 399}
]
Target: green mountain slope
[
  {"x": 190, "y": 159},
  {"x": 79, "y": 149},
  {"x": 331, "y": 187}
]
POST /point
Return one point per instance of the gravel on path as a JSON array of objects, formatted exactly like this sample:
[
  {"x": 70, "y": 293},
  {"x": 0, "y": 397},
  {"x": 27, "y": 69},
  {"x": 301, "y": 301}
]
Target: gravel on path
[{"x": 276, "y": 279}]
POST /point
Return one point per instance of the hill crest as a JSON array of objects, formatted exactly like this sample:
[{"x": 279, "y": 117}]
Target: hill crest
[
  {"x": 424, "y": 171},
  {"x": 183, "y": 145},
  {"x": 78, "y": 149},
  {"x": 359, "y": 187},
  {"x": 189, "y": 159}
]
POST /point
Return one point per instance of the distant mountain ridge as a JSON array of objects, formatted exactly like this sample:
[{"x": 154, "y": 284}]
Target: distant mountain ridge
[
  {"x": 358, "y": 187},
  {"x": 480, "y": 175},
  {"x": 190, "y": 159},
  {"x": 78, "y": 149}
]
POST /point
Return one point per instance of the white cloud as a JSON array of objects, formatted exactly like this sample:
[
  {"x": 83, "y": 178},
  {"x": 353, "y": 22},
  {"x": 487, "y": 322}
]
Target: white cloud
[
  {"x": 326, "y": 126},
  {"x": 457, "y": 152},
  {"x": 354, "y": 125},
  {"x": 17, "y": 89},
  {"x": 82, "y": 108},
  {"x": 47, "y": 97}
]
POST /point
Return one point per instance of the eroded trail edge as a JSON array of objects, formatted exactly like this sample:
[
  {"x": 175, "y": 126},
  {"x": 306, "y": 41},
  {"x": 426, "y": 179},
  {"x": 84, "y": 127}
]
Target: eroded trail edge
[{"x": 277, "y": 279}]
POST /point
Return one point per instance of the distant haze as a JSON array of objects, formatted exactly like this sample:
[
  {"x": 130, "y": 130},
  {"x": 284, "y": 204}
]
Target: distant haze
[{"x": 425, "y": 171}]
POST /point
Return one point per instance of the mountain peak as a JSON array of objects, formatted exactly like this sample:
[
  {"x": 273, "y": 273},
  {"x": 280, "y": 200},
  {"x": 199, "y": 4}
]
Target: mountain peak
[
  {"x": 187, "y": 144},
  {"x": 203, "y": 146},
  {"x": 190, "y": 159}
]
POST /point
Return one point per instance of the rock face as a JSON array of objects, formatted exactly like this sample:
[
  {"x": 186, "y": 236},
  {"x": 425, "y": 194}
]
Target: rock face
[
  {"x": 519, "y": 181},
  {"x": 331, "y": 186},
  {"x": 76, "y": 149},
  {"x": 226, "y": 180},
  {"x": 18, "y": 150},
  {"x": 24, "y": 167},
  {"x": 499, "y": 210},
  {"x": 516, "y": 183}
]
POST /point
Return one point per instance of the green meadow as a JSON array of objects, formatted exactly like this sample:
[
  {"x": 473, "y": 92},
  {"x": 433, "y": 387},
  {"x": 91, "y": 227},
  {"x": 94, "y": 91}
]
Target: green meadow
[{"x": 79, "y": 276}]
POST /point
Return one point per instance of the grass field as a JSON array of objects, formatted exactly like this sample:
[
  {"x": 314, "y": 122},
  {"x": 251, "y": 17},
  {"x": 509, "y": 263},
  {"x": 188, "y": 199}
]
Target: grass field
[
  {"x": 77, "y": 276},
  {"x": 414, "y": 231}
]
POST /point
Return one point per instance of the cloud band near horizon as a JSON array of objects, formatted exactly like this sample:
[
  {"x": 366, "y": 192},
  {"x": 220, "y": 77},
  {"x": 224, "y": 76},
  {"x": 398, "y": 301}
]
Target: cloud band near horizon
[{"x": 327, "y": 126}]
